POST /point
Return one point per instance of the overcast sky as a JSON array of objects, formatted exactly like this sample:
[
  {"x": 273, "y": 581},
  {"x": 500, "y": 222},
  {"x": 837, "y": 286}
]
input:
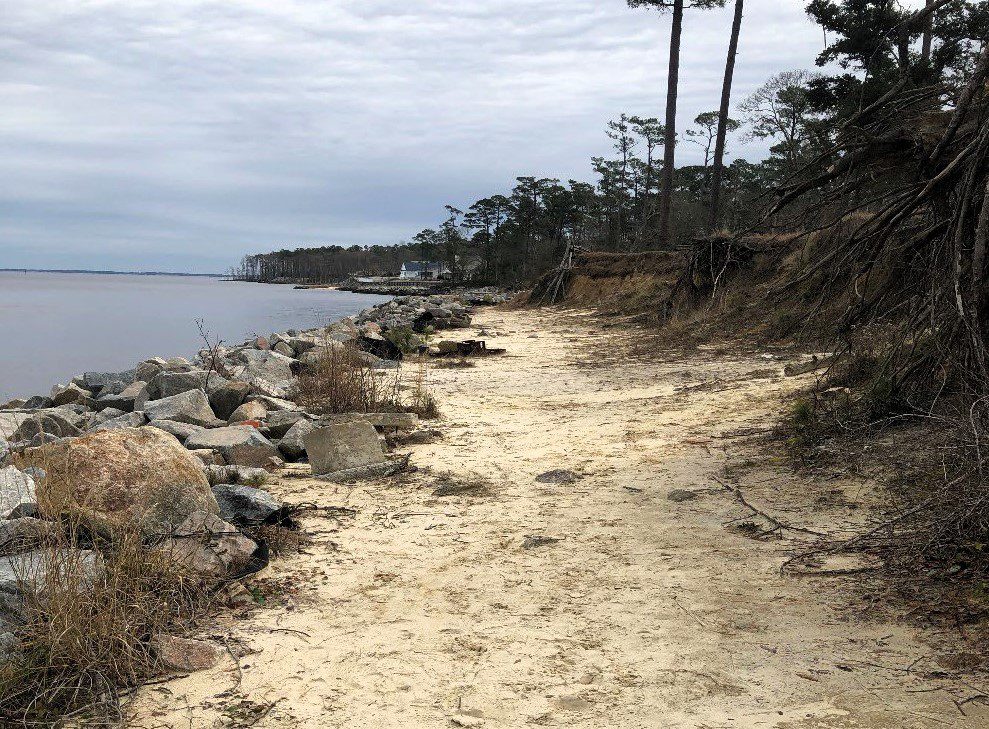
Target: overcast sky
[{"x": 181, "y": 134}]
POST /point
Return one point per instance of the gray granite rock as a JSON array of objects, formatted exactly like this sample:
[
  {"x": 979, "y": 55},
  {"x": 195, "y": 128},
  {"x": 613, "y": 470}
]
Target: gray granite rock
[
  {"x": 17, "y": 490},
  {"x": 245, "y": 505},
  {"x": 127, "y": 420},
  {"x": 227, "y": 397},
  {"x": 182, "y": 431},
  {"x": 191, "y": 406},
  {"x": 238, "y": 444},
  {"x": 292, "y": 444}
]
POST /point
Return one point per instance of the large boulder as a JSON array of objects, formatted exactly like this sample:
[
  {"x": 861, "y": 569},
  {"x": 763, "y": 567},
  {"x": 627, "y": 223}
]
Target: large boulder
[
  {"x": 37, "y": 402},
  {"x": 255, "y": 363},
  {"x": 76, "y": 414},
  {"x": 127, "y": 420},
  {"x": 274, "y": 404},
  {"x": 248, "y": 411},
  {"x": 227, "y": 397},
  {"x": 33, "y": 573},
  {"x": 49, "y": 422},
  {"x": 182, "y": 431},
  {"x": 302, "y": 343},
  {"x": 17, "y": 492},
  {"x": 132, "y": 397},
  {"x": 67, "y": 394},
  {"x": 146, "y": 370},
  {"x": 343, "y": 446},
  {"x": 191, "y": 406},
  {"x": 278, "y": 423},
  {"x": 284, "y": 349},
  {"x": 324, "y": 351},
  {"x": 124, "y": 477},
  {"x": 292, "y": 444},
  {"x": 166, "y": 384},
  {"x": 96, "y": 381},
  {"x": 9, "y": 422},
  {"x": 178, "y": 364},
  {"x": 103, "y": 416},
  {"x": 280, "y": 389},
  {"x": 245, "y": 505},
  {"x": 113, "y": 388},
  {"x": 241, "y": 445},
  {"x": 207, "y": 546}
]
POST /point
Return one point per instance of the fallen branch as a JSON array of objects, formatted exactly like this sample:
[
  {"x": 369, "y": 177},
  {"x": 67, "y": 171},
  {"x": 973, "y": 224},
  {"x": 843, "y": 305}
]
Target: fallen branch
[{"x": 777, "y": 524}]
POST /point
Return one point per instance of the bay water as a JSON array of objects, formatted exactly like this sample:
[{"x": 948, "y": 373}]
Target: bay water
[{"x": 57, "y": 325}]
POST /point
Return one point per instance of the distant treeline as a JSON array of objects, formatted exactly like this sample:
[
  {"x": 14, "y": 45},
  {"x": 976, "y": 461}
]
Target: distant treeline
[
  {"x": 323, "y": 264},
  {"x": 507, "y": 239},
  {"x": 632, "y": 204}
]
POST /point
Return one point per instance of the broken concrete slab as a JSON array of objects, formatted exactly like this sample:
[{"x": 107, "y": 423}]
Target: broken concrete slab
[
  {"x": 343, "y": 446},
  {"x": 375, "y": 470}
]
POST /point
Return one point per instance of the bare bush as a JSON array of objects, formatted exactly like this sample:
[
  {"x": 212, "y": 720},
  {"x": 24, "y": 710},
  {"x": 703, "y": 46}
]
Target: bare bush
[
  {"x": 342, "y": 381},
  {"x": 905, "y": 188}
]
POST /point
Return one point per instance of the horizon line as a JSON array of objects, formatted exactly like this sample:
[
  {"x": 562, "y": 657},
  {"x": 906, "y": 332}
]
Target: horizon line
[{"x": 109, "y": 272}]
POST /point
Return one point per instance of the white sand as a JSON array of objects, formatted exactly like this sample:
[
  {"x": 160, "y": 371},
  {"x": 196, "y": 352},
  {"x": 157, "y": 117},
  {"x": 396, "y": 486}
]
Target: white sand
[{"x": 428, "y": 612}]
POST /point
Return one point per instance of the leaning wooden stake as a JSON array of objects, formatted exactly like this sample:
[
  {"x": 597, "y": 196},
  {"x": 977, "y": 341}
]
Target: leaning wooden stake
[{"x": 566, "y": 264}]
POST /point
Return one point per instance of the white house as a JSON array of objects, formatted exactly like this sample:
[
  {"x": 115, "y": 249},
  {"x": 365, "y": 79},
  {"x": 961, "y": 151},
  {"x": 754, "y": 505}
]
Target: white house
[{"x": 427, "y": 270}]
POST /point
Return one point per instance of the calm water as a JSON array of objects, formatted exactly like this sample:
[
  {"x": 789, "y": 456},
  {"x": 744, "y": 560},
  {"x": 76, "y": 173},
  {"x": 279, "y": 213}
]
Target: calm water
[{"x": 56, "y": 325}]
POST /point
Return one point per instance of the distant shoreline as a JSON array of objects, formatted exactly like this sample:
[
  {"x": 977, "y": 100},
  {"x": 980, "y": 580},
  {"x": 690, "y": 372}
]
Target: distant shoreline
[{"x": 109, "y": 273}]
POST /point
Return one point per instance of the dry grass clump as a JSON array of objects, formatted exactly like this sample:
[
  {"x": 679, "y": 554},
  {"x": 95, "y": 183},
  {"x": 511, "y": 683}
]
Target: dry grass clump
[
  {"x": 453, "y": 363},
  {"x": 91, "y": 617},
  {"x": 280, "y": 539},
  {"x": 448, "y": 484},
  {"x": 421, "y": 401},
  {"x": 342, "y": 381}
]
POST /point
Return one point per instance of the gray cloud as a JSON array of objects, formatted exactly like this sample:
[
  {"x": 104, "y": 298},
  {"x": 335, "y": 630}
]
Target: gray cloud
[{"x": 179, "y": 135}]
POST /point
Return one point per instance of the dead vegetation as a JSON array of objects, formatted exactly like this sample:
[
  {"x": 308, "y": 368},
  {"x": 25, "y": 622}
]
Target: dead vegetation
[
  {"x": 453, "y": 363},
  {"x": 91, "y": 621},
  {"x": 450, "y": 484},
  {"x": 877, "y": 250},
  {"x": 343, "y": 380}
]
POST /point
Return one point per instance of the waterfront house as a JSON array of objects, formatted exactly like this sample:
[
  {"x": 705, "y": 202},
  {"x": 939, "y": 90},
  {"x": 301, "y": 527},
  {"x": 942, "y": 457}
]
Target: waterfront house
[{"x": 424, "y": 270}]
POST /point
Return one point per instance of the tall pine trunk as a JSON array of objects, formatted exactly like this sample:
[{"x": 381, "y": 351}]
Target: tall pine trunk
[
  {"x": 669, "y": 150},
  {"x": 719, "y": 146},
  {"x": 925, "y": 48}
]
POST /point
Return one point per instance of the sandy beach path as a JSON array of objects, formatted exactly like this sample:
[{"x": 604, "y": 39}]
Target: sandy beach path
[{"x": 599, "y": 603}]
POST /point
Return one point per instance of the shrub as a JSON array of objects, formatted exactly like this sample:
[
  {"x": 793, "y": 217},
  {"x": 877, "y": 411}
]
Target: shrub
[
  {"x": 342, "y": 381},
  {"x": 422, "y": 401},
  {"x": 405, "y": 338}
]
